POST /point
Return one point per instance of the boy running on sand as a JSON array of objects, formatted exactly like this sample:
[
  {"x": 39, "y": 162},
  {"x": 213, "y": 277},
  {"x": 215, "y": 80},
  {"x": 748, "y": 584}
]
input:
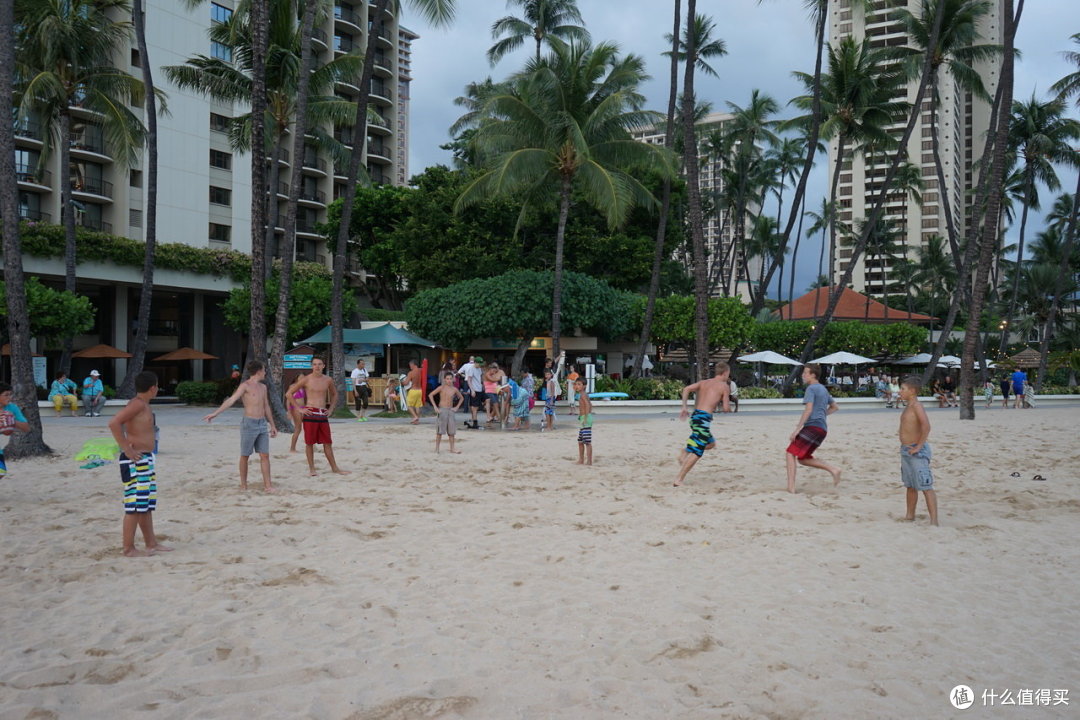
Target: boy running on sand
[
  {"x": 708, "y": 394},
  {"x": 585, "y": 420},
  {"x": 133, "y": 429},
  {"x": 320, "y": 396},
  {"x": 812, "y": 428},
  {"x": 915, "y": 451},
  {"x": 257, "y": 425},
  {"x": 450, "y": 399}
]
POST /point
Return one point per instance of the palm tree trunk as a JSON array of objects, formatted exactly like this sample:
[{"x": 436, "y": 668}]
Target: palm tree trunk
[
  {"x": 794, "y": 257},
  {"x": 812, "y": 141},
  {"x": 993, "y": 209},
  {"x": 519, "y": 356},
  {"x": 18, "y": 314},
  {"x": 560, "y": 238},
  {"x": 697, "y": 231},
  {"x": 665, "y": 200},
  {"x": 939, "y": 167},
  {"x": 1064, "y": 269},
  {"x": 273, "y": 211},
  {"x": 841, "y": 142},
  {"x": 1029, "y": 190},
  {"x": 288, "y": 249},
  {"x": 259, "y": 23},
  {"x": 142, "y": 327},
  {"x": 67, "y": 210},
  {"x": 359, "y": 142}
]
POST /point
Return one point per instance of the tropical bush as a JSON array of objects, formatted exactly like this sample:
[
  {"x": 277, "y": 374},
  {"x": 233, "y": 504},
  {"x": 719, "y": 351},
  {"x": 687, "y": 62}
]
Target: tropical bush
[
  {"x": 650, "y": 388},
  {"x": 759, "y": 393},
  {"x": 197, "y": 393}
]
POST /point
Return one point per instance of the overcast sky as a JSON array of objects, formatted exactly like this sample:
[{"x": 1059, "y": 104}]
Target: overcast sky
[{"x": 766, "y": 41}]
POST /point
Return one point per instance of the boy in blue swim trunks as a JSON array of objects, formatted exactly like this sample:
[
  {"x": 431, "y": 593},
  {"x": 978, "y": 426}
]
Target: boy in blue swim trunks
[
  {"x": 915, "y": 451},
  {"x": 708, "y": 394}
]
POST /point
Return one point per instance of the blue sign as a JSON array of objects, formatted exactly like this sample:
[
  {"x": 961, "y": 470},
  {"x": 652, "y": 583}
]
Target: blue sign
[{"x": 298, "y": 362}]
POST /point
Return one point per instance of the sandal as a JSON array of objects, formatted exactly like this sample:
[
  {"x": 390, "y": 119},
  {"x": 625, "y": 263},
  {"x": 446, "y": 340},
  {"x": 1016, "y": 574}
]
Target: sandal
[
  {"x": 1015, "y": 474},
  {"x": 1038, "y": 478}
]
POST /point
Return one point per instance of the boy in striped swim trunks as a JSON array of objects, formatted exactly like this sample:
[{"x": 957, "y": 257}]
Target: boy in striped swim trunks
[
  {"x": 257, "y": 425},
  {"x": 133, "y": 429},
  {"x": 812, "y": 429},
  {"x": 708, "y": 395},
  {"x": 585, "y": 420}
]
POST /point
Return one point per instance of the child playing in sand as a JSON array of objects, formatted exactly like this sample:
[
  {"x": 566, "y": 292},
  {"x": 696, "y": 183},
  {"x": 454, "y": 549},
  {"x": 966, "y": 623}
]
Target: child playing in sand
[
  {"x": 393, "y": 393},
  {"x": 812, "y": 428},
  {"x": 551, "y": 391},
  {"x": 708, "y": 395},
  {"x": 11, "y": 419},
  {"x": 450, "y": 400},
  {"x": 915, "y": 451},
  {"x": 133, "y": 430},
  {"x": 585, "y": 420},
  {"x": 257, "y": 425}
]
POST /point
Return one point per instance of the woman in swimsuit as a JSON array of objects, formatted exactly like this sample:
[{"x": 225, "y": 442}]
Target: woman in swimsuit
[
  {"x": 491, "y": 390},
  {"x": 294, "y": 405}
]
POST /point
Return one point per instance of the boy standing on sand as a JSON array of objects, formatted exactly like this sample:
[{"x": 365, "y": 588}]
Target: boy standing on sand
[
  {"x": 133, "y": 429},
  {"x": 551, "y": 390},
  {"x": 320, "y": 396},
  {"x": 915, "y": 451},
  {"x": 812, "y": 428},
  {"x": 257, "y": 425},
  {"x": 708, "y": 394},
  {"x": 585, "y": 420},
  {"x": 11, "y": 419},
  {"x": 450, "y": 399}
]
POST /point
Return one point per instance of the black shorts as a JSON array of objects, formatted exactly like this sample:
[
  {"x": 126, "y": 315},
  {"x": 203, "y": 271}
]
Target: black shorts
[{"x": 477, "y": 399}]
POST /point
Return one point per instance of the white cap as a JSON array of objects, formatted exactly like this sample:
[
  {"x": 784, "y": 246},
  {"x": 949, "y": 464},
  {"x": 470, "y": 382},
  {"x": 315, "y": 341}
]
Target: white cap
[{"x": 95, "y": 373}]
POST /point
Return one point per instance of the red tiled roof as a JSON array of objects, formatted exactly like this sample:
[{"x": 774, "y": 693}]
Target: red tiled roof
[{"x": 852, "y": 306}]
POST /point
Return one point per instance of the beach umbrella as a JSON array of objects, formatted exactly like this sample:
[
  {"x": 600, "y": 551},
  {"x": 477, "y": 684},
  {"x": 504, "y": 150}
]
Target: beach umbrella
[
  {"x": 101, "y": 351},
  {"x": 770, "y": 357},
  {"x": 1026, "y": 358},
  {"x": 989, "y": 365},
  {"x": 843, "y": 358},
  {"x": 949, "y": 361},
  {"x": 920, "y": 359},
  {"x": 185, "y": 353}
]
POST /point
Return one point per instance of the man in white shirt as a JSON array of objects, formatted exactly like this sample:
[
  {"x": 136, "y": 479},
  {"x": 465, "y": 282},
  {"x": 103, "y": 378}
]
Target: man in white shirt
[
  {"x": 361, "y": 390},
  {"x": 474, "y": 379}
]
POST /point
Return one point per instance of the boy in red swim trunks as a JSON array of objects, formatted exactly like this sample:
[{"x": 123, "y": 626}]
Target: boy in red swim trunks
[
  {"x": 812, "y": 428},
  {"x": 321, "y": 398}
]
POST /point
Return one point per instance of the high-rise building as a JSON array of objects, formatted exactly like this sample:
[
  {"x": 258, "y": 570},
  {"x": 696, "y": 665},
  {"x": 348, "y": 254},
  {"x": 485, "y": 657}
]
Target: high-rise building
[
  {"x": 204, "y": 185},
  {"x": 962, "y": 123}
]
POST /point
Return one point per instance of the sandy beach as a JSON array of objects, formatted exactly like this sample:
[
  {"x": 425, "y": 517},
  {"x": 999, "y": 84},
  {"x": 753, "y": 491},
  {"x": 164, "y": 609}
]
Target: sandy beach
[{"x": 507, "y": 582}]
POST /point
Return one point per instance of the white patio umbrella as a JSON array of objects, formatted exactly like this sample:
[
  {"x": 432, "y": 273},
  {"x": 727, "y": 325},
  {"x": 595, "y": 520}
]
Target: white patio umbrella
[
  {"x": 989, "y": 365},
  {"x": 948, "y": 361},
  {"x": 843, "y": 358},
  {"x": 920, "y": 359},
  {"x": 768, "y": 356}
]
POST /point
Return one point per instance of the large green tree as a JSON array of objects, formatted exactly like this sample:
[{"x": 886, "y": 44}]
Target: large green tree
[
  {"x": 308, "y": 312},
  {"x": 53, "y": 313},
  {"x": 564, "y": 124}
]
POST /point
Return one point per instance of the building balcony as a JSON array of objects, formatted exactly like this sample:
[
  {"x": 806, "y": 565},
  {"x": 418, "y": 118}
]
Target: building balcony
[
  {"x": 84, "y": 144},
  {"x": 383, "y": 65},
  {"x": 29, "y": 131},
  {"x": 344, "y": 136},
  {"x": 26, "y": 213},
  {"x": 33, "y": 178},
  {"x": 347, "y": 16},
  {"x": 389, "y": 13},
  {"x": 319, "y": 36},
  {"x": 306, "y": 227},
  {"x": 378, "y": 150},
  {"x": 93, "y": 189},
  {"x": 343, "y": 46},
  {"x": 379, "y": 127},
  {"x": 382, "y": 33},
  {"x": 90, "y": 223},
  {"x": 381, "y": 92},
  {"x": 314, "y": 166}
]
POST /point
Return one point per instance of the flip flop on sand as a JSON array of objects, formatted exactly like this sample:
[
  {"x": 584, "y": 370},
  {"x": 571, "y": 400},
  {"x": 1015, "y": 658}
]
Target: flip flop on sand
[
  {"x": 1015, "y": 474},
  {"x": 1039, "y": 478}
]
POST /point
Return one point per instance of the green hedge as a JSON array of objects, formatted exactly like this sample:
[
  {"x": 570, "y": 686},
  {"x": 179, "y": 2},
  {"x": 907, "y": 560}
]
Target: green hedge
[
  {"x": 1060, "y": 390},
  {"x": 197, "y": 393},
  {"x": 43, "y": 240},
  {"x": 759, "y": 393},
  {"x": 652, "y": 388}
]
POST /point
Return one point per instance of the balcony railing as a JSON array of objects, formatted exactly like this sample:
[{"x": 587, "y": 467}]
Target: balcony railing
[
  {"x": 315, "y": 163},
  {"x": 92, "y": 223},
  {"x": 311, "y": 195},
  {"x": 343, "y": 136},
  {"x": 37, "y": 176},
  {"x": 94, "y": 186},
  {"x": 87, "y": 141},
  {"x": 319, "y": 34},
  {"x": 382, "y": 60},
  {"x": 378, "y": 87},
  {"x": 343, "y": 45},
  {"x": 305, "y": 226},
  {"x": 28, "y": 129},
  {"x": 347, "y": 14},
  {"x": 31, "y": 214},
  {"x": 378, "y": 148}
]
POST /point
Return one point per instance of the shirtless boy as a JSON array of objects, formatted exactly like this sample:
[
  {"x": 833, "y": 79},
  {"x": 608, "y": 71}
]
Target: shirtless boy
[
  {"x": 915, "y": 451},
  {"x": 585, "y": 423},
  {"x": 257, "y": 425},
  {"x": 320, "y": 395},
  {"x": 450, "y": 400},
  {"x": 133, "y": 429},
  {"x": 708, "y": 394},
  {"x": 414, "y": 399},
  {"x": 812, "y": 428}
]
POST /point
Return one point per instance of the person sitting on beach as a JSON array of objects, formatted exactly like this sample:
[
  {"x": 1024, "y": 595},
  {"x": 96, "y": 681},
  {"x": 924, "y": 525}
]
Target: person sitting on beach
[
  {"x": 257, "y": 426},
  {"x": 450, "y": 399},
  {"x": 894, "y": 391},
  {"x": 393, "y": 393},
  {"x": 708, "y": 395},
  {"x": 93, "y": 393},
  {"x": 812, "y": 428},
  {"x": 414, "y": 398},
  {"x": 882, "y": 391},
  {"x": 733, "y": 394},
  {"x": 63, "y": 391},
  {"x": 585, "y": 423},
  {"x": 939, "y": 392},
  {"x": 133, "y": 430},
  {"x": 948, "y": 388},
  {"x": 915, "y": 451},
  {"x": 321, "y": 397}
]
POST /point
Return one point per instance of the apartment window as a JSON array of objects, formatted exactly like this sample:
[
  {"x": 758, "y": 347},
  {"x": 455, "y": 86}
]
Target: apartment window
[
  {"x": 135, "y": 218},
  {"x": 927, "y": 144},
  {"x": 219, "y": 123},
  {"x": 221, "y": 233},
  {"x": 135, "y": 178},
  {"x": 135, "y": 59},
  {"x": 929, "y": 222},
  {"x": 219, "y": 13},
  {"x": 221, "y": 160},
  {"x": 221, "y": 51},
  {"x": 220, "y": 195},
  {"x": 343, "y": 42},
  {"x": 845, "y": 178}
]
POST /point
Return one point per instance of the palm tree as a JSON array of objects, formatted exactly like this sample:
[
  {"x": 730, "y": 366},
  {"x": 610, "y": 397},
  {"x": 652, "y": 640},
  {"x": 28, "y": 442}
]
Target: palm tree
[
  {"x": 65, "y": 50},
  {"x": 936, "y": 273},
  {"x": 1041, "y": 135},
  {"x": 822, "y": 221},
  {"x": 564, "y": 124},
  {"x": 904, "y": 273},
  {"x": 858, "y": 104},
  {"x": 18, "y": 314},
  {"x": 542, "y": 19},
  {"x": 706, "y": 46},
  {"x": 784, "y": 156},
  {"x": 665, "y": 196},
  {"x": 882, "y": 248},
  {"x": 438, "y": 12}
]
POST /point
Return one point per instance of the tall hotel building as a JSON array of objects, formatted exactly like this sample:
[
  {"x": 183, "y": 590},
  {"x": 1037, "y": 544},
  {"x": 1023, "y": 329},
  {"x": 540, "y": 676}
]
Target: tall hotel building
[
  {"x": 204, "y": 187},
  {"x": 963, "y": 121}
]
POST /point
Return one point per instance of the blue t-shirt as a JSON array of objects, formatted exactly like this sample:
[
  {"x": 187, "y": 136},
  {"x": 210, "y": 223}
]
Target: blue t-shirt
[
  {"x": 14, "y": 410},
  {"x": 92, "y": 386},
  {"x": 819, "y": 396},
  {"x": 1019, "y": 378}
]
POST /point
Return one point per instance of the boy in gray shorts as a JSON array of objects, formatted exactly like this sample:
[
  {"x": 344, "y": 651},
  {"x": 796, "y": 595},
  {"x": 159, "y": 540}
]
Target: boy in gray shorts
[
  {"x": 915, "y": 451},
  {"x": 450, "y": 399},
  {"x": 257, "y": 425}
]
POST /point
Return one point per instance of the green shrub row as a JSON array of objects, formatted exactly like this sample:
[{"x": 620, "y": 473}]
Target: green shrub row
[
  {"x": 759, "y": 393},
  {"x": 653, "y": 388},
  {"x": 197, "y": 393}
]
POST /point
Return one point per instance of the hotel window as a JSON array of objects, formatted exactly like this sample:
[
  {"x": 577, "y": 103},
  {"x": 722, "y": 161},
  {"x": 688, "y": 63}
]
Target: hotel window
[
  {"x": 220, "y": 160},
  {"x": 221, "y": 233},
  {"x": 220, "y": 195},
  {"x": 221, "y": 51},
  {"x": 219, "y": 13},
  {"x": 219, "y": 123}
]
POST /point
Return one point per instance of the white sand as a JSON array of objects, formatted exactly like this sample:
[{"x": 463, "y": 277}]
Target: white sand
[{"x": 508, "y": 583}]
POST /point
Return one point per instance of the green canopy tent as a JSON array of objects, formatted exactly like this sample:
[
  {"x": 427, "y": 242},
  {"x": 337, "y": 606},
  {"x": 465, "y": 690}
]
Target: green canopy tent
[{"x": 386, "y": 334}]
